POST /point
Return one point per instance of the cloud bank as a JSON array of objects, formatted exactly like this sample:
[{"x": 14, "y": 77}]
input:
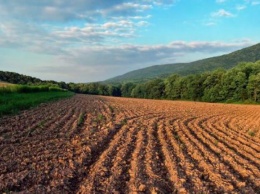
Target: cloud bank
[{"x": 92, "y": 40}]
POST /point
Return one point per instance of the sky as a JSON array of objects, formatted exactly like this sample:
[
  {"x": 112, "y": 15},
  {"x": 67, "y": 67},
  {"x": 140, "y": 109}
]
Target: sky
[{"x": 93, "y": 40}]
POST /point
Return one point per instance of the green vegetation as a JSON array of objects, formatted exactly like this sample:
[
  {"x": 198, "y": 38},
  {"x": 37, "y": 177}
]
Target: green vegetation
[
  {"x": 240, "y": 84},
  {"x": 252, "y": 133},
  {"x": 81, "y": 118},
  {"x": 250, "y": 54},
  {"x": 16, "y": 78},
  {"x": 16, "y": 98},
  {"x": 100, "y": 118},
  {"x": 27, "y": 89},
  {"x": 96, "y": 89},
  {"x": 123, "y": 122}
]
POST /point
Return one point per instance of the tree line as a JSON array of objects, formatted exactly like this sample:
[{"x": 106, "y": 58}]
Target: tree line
[
  {"x": 239, "y": 84},
  {"x": 20, "y": 79}
]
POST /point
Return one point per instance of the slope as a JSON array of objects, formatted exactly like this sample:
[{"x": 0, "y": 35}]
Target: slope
[{"x": 227, "y": 61}]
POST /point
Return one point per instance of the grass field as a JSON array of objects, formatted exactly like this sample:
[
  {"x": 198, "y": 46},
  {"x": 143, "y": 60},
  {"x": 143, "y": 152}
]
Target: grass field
[{"x": 16, "y": 98}]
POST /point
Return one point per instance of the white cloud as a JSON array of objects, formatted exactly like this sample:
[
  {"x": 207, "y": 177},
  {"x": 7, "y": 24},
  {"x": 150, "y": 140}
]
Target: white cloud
[
  {"x": 222, "y": 13},
  {"x": 66, "y": 10},
  {"x": 161, "y": 2},
  {"x": 129, "y": 6},
  {"x": 36, "y": 34},
  {"x": 210, "y": 24},
  {"x": 96, "y": 34},
  {"x": 54, "y": 10},
  {"x": 36, "y": 26},
  {"x": 255, "y": 2},
  {"x": 240, "y": 7},
  {"x": 252, "y": 2},
  {"x": 78, "y": 36},
  {"x": 221, "y": 1}
]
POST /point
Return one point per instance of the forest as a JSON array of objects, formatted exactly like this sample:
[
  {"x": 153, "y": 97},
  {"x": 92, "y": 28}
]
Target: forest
[
  {"x": 16, "y": 78},
  {"x": 239, "y": 84}
]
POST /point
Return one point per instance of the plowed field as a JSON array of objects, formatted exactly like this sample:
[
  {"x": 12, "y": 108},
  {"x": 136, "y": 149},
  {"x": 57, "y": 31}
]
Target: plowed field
[{"x": 91, "y": 144}]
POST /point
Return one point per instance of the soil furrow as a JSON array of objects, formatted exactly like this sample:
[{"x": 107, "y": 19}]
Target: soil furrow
[
  {"x": 208, "y": 161},
  {"x": 236, "y": 137},
  {"x": 218, "y": 148},
  {"x": 119, "y": 176},
  {"x": 213, "y": 135},
  {"x": 138, "y": 178},
  {"x": 170, "y": 162},
  {"x": 215, "y": 157},
  {"x": 158, "y": 176},
  {"x": 97, "y": 144},
  {"x": 99, "y": 172},
  {"x": 186, "y": 162}
]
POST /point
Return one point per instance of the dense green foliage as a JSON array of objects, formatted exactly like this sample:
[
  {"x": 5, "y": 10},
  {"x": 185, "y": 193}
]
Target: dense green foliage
[
  {"x": 95, "y": 89},
  {"x": 239, "y": 84},
  {"x": 250, "y": 54},
  {"x": 28, "y": 89},
  {"x": 16, "y": 78},
  {"x": 12, "y": 102}
]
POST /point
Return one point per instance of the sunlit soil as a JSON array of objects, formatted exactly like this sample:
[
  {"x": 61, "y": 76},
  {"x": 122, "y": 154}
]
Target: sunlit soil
[{"x": 91, "y": 144}]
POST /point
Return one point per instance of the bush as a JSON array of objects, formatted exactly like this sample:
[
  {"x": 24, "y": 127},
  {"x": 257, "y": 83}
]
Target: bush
[{"x": 28, "y": 89}]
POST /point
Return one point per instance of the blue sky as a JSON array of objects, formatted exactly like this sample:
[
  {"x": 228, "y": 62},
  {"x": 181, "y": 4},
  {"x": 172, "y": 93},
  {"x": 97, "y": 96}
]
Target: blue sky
[{"x": 93, "y": 40}]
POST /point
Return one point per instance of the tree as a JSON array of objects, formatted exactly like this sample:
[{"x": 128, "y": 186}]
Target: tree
[
  {"x": 254, "y": 87},
  {"x": 83, "y": 88},
  {"x": 154, "y": 89},
  {"x": 170, "y": 92},
  {"x": 63, "y": 85},
  {"x": 93, "y": 88},
  {"x": 74, "y": 87},
  {"x": 213, "y": 89},
  {"x": 126, "y": 89},
  {"x": 234, "y": 84},
  {"x": 102, "y": 89},
  {"x": 114, "y": 90},
  {"x": 138, "y": 91}
]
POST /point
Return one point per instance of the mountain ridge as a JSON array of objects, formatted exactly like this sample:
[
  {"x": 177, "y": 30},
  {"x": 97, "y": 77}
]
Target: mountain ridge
[{"x": 226, "y": 61}]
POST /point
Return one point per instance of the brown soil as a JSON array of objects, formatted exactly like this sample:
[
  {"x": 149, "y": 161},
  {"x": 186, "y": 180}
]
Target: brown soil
[{"x": 91, "y": 144}]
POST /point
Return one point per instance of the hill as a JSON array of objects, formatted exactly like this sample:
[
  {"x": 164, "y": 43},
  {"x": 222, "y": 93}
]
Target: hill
[
  {"x": 227, "y": 61},
  {"x": 16, "y": 78}
]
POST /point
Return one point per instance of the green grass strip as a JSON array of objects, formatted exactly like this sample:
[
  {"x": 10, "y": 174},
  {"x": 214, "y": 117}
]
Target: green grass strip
[{"x": 11, "y": 103}]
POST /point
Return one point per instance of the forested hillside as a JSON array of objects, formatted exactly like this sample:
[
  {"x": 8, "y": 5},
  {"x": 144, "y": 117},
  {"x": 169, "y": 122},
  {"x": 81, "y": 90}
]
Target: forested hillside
[
  {"x": 249, "y": 54},
  {"x": 16, "y": 78},
  {"x": 239, "y": 84}
]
